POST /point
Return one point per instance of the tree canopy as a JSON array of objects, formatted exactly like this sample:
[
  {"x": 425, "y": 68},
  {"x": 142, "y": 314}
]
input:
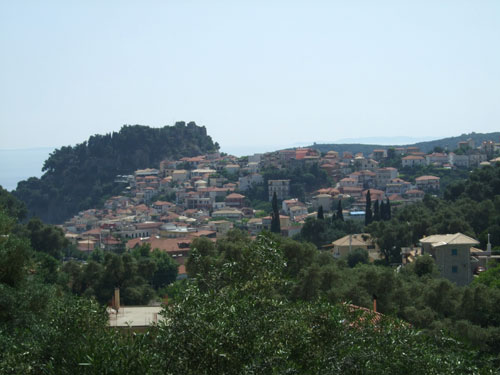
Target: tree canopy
[{"x": 82, "y": 176}]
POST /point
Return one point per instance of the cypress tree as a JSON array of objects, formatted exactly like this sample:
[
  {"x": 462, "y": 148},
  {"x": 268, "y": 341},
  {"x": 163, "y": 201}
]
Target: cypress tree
[
  {"x": 275, "y": 216},
  {"x": 320, "y": 215},
  {"x": 376, "y": 211},
  {"x": 340, "y": 214},
  {"x": 388, "y": 209},
  {"x": 383, "y": 211},
  {"x": 368, "y": 209}
]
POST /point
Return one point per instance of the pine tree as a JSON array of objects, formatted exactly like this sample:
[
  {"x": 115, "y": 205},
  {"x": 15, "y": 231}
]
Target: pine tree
[
  {"x": 275, "y": 216},
  {"x": 376, "y": 211},
  {"x": 340, "y": 214},
  {"x": 320, "y": 215},
  {"x": 368, "y": 209}
]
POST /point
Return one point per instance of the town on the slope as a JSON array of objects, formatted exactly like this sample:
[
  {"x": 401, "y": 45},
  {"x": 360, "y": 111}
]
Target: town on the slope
[{"x": 171, "y": 204}]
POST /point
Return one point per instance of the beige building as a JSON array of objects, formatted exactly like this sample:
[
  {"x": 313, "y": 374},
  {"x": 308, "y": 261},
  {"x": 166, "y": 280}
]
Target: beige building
[
  {"x": 413, "y": 161},
  {"x": 324, "y": 200},
  {"x": 221, "y": 227},
  {"x": 342, "y": 246},
  {"x": 180, "y": 175},
  {"x": 229, "y": 213},
  {"x": 452, "y": 255},
  {"x": 384, "y": 176}
]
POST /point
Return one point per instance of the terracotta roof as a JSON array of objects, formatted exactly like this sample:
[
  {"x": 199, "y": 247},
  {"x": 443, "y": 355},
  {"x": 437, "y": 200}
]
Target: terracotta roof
[
  {"x": 235, "y": 196},
  {"x": 373, "y": 317},
  {"x": 373, "y": 192},
  {"x": 164, "y": 244},
  {"x": 367, "y": 172},
  {"x": 111, "y": 241},
  {"x": 148, "y": 225},
  {"x": 396, "y": 198},
  {"x": 331, "y": 191},
  {"x": 413, "y": 157},
  {"x": 387, "y": 169},
  {"x": 426, "y": 178},
  {"x": 162, "y": 203}
]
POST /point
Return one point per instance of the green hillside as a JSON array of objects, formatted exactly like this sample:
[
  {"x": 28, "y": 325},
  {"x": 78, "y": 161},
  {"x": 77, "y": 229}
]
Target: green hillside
[
  {"x": 80, "y": 177},
  {"x": 449, "y": 143}
]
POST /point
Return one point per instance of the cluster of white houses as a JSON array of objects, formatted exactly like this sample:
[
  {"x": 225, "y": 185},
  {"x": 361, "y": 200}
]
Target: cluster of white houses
[{"x": 204, "y": 195}]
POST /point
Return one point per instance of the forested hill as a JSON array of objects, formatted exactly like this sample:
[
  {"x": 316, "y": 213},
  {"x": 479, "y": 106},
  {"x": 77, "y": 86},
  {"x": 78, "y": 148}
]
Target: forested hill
[
  {"x": 449, "y": 143},
  {"x": 79, "y": 177}
]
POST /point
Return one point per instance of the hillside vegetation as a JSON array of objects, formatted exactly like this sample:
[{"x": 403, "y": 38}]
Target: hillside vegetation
[
  {"x": 449, "y": 143},
  {"x": 269, "y": 305},
  {"x": 80, "y": 177},
  {"x": 253, "y": 307}
]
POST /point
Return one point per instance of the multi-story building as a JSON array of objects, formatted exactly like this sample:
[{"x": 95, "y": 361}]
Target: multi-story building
[
  {"x": 246, "y": 182},
  {"x": 379, "y": 154},
  {"x": 413, "y": 161},
  {"x": 427, "y": 183},
  {"x": 280, "y": 187},
  {"x": 324, "y": 200},
  {"x": 383, "y": 176},
  {"x": 452, "y": 255},
  {"x": 397, "y": 186},
  {"x": 437, "y": 158}
]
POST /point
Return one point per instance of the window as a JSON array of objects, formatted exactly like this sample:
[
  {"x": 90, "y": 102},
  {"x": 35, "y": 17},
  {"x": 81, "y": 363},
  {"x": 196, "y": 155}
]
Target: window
[
  {"x": 454, "y": 269},
  {"x": 454, "y": 252}
]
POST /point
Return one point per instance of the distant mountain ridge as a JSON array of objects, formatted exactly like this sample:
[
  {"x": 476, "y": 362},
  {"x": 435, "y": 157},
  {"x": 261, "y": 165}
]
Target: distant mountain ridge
[
  {"x": 79, "y": 177},
  {"x": 449, "y": 143},
  {"x": 385, "y": 140}
]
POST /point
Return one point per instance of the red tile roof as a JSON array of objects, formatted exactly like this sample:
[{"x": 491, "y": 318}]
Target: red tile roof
[
  {"x": 235, "y": 196},
  {"x": 426, "y": 178}
]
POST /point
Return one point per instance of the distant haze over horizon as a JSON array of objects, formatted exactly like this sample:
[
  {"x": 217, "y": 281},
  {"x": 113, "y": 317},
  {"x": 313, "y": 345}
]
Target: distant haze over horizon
[
  {"x": 20, "y": 164},
  {"x": 273, "y": 73}
]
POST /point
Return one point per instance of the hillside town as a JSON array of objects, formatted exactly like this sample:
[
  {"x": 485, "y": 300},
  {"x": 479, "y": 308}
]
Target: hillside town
[{"x": 169, "y": 205}]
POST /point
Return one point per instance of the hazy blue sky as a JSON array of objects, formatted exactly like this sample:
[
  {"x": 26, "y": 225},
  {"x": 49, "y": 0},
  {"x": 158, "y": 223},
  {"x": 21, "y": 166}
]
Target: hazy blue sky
[{"x": 254, "y": 73}]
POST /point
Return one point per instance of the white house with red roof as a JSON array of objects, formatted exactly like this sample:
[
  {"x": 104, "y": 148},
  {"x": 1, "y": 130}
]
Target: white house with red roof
[
  {"x": 413, "y": 161},
  {"x": 427, "y": 183},
  {"x": 235, "y": 200}
]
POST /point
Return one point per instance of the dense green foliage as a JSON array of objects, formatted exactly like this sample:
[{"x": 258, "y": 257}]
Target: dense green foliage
[
  {"x": 275, "y": 216},
  {"x": 43, "y": 329},
  {"x": 264, "y": 307},
  {"x": 140, "y": 275},
  {"x": 447, "y": 176},
  {"x": 268, "y": 306},
  {"x": 12, "y": 207},
  {"x": 80, "y": 177},
  {"x": 470, "y": 206},
  {"x": 323, "y": 232}
]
